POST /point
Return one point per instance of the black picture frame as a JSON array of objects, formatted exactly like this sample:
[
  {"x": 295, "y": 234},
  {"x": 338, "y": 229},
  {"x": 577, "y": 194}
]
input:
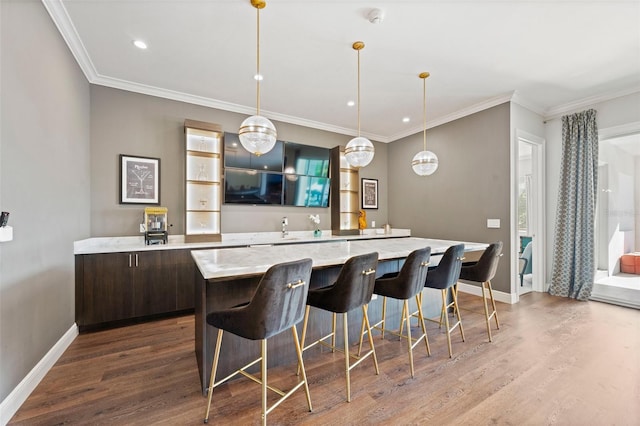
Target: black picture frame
[
  {"x": 369, "y": 191},
  {"x": 139, "y": 180}
]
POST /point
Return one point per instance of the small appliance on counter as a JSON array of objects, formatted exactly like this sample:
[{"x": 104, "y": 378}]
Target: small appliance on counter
[{"x": 155, "y": 224}]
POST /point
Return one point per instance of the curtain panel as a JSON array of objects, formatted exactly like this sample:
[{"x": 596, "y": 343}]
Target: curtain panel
[{"x": 574, "y": 248}]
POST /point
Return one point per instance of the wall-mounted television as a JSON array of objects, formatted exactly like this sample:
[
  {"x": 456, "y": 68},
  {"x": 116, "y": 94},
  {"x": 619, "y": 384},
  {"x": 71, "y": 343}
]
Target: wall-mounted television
[
  {"x": 306, "y": 191},
  {"x": 252, "y": 187},
  {"x": 291, "y": 174}
]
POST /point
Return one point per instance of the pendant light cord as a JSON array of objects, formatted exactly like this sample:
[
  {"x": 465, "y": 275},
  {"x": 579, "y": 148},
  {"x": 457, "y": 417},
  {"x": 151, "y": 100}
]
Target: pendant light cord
[
  {"x": 258, "y": 76},
  {"x": 358, "y": 92},
  {"x": 424, "y": 112}
]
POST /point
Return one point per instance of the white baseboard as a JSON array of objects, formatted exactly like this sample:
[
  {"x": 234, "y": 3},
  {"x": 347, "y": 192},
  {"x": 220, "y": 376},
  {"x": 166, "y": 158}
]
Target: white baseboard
[
  {"x": 499, "y": 296},
  {"x": 10, "y": 405},
  {"x": 615, "y": 301}
]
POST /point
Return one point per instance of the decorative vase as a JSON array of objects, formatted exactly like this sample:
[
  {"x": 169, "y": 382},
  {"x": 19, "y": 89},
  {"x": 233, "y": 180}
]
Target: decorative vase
[{"x": 317, "y": 233}]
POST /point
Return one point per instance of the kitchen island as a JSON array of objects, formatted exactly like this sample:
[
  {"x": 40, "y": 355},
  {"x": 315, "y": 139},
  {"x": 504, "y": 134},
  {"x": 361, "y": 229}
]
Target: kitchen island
[
  {"x": 228, "y": 277},
  {"x": 120, "y": 280}
]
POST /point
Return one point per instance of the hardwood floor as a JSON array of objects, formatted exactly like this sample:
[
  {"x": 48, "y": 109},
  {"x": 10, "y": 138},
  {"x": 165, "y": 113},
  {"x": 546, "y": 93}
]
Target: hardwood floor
[{"x": 553, "y": 361}]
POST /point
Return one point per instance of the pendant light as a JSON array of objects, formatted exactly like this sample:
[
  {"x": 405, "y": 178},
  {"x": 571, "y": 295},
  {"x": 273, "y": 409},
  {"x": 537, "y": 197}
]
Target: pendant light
[
  {"x": 257, "y": 134},
  {"x": 425, "y": 162},
  {"x": 359, "y": 151}
]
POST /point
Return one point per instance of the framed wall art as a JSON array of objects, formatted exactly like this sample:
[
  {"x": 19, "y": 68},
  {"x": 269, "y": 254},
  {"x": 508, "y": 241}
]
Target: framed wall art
[
  {"x": 369, "y": 192},
  {"x": 139, "y": 180}
]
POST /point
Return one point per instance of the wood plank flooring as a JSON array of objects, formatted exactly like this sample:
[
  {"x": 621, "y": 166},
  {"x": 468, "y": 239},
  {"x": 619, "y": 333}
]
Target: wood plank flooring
[{"x": 554, "y": 361}]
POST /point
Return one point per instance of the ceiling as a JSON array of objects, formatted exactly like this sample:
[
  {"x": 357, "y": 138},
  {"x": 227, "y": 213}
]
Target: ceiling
[{"x": 549, "y": 56}]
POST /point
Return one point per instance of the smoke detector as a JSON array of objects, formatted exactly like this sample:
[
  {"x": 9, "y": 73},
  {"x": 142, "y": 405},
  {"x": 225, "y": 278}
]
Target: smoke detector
[{"x": 375, "y": 16}]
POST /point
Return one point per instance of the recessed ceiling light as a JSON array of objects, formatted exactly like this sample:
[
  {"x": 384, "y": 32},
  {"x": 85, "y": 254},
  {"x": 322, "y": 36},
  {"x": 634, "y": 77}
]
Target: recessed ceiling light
[
  {"x": 140, "y": 44},
  {"x": 406, "y": 120},
  {"x": 258, "y": 77},
  {"x": 351, "y": 103}
]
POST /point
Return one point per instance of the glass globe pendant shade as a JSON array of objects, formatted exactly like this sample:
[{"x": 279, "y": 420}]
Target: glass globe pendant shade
[
  {"x": 359, "y": 152},
  {"x": 424, "y": 163},
  {"x": 257, "y": 134}
]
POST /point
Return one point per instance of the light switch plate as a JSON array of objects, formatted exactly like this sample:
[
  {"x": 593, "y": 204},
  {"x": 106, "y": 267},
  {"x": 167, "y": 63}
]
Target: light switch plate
[
  {"x": 493, "y": 223},
  {"x": 6, "y": 234}
]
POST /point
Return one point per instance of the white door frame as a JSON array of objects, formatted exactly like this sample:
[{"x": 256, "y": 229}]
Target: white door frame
[{"x": 538, "y": 167}]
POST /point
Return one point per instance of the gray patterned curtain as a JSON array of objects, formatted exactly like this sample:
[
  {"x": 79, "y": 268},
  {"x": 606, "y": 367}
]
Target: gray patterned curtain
[{"x": 574, "y": 250}]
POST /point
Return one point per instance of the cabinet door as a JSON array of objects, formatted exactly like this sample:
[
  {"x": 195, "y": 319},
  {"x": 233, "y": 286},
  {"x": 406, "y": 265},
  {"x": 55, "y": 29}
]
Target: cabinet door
[
  {"x": 185, "y": 282},
  {"x": 154, "y": 283},
  {"x": 108, "y": 294}
]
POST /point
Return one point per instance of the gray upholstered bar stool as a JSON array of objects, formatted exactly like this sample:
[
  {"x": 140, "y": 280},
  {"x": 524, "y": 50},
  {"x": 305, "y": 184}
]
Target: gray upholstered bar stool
[
  {"x": 353, "y": 289},
  {"x": 404, "y": 285},
  {"x": 444, "y": 278},
  {"x": 277, "y": 304},
  {"x": 483, "y": 272}
]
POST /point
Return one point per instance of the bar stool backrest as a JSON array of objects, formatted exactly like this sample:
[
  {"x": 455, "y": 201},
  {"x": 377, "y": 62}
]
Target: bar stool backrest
[
  {"x": 354, "y": 286},
  {"x": 447, "y": 272},
  {"x": 411, "y": 278},
  {"x": 278, "y": 303},
  {"x": 485, "y": 269}
]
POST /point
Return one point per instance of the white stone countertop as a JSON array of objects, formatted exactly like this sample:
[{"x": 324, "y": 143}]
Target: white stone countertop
[
  {"x": 176, "y": 242},
  {"x": 223, "y": 263}
]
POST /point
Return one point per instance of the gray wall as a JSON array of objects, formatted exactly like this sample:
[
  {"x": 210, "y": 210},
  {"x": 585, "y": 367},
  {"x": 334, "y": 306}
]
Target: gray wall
[
  {"x": 130, "y": 123},
  {"x": 471, "y": 185},
  {"x": 44, "y": 184}
]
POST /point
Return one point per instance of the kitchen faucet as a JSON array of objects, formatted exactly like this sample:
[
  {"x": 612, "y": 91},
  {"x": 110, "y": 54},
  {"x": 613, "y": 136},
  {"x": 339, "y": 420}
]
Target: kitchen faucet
[{"x": 285, "y": 222}]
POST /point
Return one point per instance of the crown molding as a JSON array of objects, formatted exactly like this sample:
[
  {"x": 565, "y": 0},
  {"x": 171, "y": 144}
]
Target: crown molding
[
  {"x": 226, "y": 106},
  {"x": 619, "y": 131},
  {"x": 61, "y": 19},
  {"x": 481, "y": 106},
  {"x": 560, "y": 110},
  {"x": 517, "y": 98}
]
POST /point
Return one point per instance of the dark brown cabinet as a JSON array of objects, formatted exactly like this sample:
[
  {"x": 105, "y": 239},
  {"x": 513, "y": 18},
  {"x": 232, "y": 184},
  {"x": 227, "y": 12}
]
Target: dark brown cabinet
[
  {"x": 107, "y": 294},
  {"x": 185, "y": 279},
  {"x": 119, "y": 286},
  {"x": 154, "y": 283}
]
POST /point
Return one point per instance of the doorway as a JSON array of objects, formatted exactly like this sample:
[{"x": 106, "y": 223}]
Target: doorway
[
  {"x": 530, "y": 208},
  {"x": 617, "y": 220}
]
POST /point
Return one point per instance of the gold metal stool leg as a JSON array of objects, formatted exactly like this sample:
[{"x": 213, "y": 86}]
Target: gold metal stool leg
[
  {"x": 384, "y": 314},
  {"x": 405, "y": 310},
  {"x": 301, "y": 365},
  {"x": 263, "y": 366},
  {"x": 373, "y": 349},
  {"x": 304, "y": 334},
  {"x": 494, "y": 312},
  {"x": 333, "y": 330},
  {"x": 446, "y": 320},
  {"x": 493, "y": 304},
  {"x": 424, "y": 328},
  {"x": 486, "y": 312},
  {"x": 214, "y": 367},
  {"x": 346, "y": 353},
  {"x": 456, "y": 310}
]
